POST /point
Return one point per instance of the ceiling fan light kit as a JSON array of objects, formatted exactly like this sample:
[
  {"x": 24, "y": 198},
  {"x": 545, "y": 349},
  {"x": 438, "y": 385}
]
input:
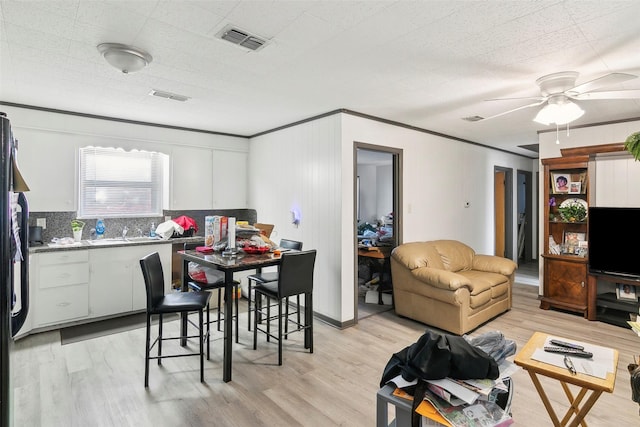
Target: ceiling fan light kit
[
  {"x": 559, "y": 110},
  {"x": 127, "y": 59},
  {"x": 559, "y": 89}
]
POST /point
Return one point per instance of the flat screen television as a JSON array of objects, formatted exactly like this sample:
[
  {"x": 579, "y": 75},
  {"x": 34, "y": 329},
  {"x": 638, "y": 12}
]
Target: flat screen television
[{"x": 612, "y": 235}]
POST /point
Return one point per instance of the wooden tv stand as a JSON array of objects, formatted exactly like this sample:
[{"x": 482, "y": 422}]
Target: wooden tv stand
[{"x": 594, "y": 301}]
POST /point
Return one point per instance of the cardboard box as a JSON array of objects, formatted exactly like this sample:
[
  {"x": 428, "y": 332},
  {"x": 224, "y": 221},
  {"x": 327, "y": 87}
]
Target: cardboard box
[
  {"x": 265, "y": 229},
  {"x": 215, "y": 229}
]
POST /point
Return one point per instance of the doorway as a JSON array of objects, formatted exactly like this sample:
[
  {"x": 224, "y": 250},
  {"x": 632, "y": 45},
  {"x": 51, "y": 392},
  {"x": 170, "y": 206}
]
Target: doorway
[
  {"x": 377, "y": 223},
  {"x": 503, "y": 208}
]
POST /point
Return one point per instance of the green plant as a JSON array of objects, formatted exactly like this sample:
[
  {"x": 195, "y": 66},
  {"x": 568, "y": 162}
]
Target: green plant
[
  {"x": 77, "y": 225},
  {"x": 632, "y": 145},
  {"x": 575, "y": 212}
]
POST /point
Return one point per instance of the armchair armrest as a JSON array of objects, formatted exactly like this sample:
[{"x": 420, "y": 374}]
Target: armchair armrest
[
  {"x": 494, "y": 264},
  {"x": 442, "y": 279}
]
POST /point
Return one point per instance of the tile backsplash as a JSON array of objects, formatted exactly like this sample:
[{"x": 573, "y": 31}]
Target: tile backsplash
[{"x": 59, "y": 223}]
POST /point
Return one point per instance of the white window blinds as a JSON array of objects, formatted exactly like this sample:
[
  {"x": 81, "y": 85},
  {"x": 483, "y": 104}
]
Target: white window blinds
[{"x": 119, "y": 183}]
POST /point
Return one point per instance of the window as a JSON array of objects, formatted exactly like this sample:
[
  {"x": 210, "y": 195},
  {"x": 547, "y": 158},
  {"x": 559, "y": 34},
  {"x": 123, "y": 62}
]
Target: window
[{"x": 119, "y": 183}]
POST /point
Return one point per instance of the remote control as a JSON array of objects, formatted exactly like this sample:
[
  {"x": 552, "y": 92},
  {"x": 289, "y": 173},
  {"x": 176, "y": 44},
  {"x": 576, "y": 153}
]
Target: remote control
[
  {"x": 569, "y": 352},
  {"x": 566, "y": 344}
]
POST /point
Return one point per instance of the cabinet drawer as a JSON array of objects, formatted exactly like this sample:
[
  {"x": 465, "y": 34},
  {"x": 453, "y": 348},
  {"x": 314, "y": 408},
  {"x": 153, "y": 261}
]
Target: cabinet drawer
[
  {"x": 62, "y": 304},
  {"x": 63, "y": 257},
  {"x": 52, "y": 276}
]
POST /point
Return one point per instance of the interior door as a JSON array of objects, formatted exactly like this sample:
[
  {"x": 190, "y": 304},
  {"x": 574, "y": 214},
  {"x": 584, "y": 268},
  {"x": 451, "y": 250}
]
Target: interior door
[{"x": 499, "y": 209}]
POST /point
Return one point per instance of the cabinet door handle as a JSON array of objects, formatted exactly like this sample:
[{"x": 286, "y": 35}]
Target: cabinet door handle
[
  {"x": 64, "y": 304},
  {"x": 582, "y": 283},
  {"x": 64, "y": 275}
]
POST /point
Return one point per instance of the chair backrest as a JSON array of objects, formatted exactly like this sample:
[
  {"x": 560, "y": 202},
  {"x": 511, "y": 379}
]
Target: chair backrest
[
  {"x": 296, "y": 273},
  {"x": 290, "y": 244},
  {"x": 153, "y": 278}
]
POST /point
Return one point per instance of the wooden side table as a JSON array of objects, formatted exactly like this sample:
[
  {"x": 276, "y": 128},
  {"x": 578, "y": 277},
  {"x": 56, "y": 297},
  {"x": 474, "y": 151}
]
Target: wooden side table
[{"x": 590, "y": 387}]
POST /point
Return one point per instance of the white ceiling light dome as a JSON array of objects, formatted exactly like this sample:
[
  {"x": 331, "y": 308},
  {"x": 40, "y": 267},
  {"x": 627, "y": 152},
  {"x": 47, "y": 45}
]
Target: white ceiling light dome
[{"x": 127, "y": 59}]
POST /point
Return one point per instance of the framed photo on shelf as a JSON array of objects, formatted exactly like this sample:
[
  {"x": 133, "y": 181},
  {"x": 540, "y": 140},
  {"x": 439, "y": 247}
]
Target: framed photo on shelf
[
  {"x": 626, "y": 292},
  {"x": 573, "y": 238},
  {"x": 574, "y": 187},
  {"x": 560, "y": 182}
]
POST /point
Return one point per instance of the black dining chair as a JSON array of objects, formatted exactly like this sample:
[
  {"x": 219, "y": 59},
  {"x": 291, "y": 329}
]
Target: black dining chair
[
  {"x": 177, "y": 302},
  {"x": 271, "y": 276},
  {"x": 295, "y": 278},
  {"x": 215, "y": 285}
]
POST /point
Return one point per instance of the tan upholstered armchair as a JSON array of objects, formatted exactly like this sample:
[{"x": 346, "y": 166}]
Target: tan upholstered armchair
[{"x": 445, "y": 284}]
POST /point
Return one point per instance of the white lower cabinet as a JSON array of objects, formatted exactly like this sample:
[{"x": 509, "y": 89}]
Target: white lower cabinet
[
  {"x": 80, "y": 285},
  {"x": 62, "y": 286},
  {"x": 117, "y": 285}
]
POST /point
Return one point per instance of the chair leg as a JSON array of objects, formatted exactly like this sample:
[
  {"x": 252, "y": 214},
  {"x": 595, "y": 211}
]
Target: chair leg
[
  {"x": 208, "y": 331},
  {"x": 280, "y": 332},
  {"x": 255, "y": 322},
  {"x": 219, "y": 307},
  {"x": 200, "y": 316},
  {"x": 308, "y": 321},
  {"x": 146, "y": 353},
  {"x": 160, "y": 339},
  {"x": 298, "y": 307},
  {"x": 235, "y": 293},
  {"x": 268, "y": 318},
  {"x": 286, "y": 313},
  {"x": 249, "y": 305}
]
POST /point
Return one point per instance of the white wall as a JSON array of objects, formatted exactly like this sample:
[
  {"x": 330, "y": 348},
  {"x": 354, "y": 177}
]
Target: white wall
[{"x": 440, "y": 174}]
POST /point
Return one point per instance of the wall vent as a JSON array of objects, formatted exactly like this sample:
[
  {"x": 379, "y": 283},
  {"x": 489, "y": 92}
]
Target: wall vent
[
  {"x": 168, "y": 95},
  {"x": 242, "y": 38}
]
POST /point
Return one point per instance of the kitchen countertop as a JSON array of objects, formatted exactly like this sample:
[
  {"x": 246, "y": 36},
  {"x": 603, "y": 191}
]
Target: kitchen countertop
[{"x": 86, "y": 245}]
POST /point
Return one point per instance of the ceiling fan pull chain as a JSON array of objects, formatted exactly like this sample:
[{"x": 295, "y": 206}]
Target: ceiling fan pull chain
[
  {"x": 557, "y": 134},
  {"x": 568, "y": 130}
]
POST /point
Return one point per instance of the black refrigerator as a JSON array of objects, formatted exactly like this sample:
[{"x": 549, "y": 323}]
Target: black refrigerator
[{"x": 14, "y": 297}]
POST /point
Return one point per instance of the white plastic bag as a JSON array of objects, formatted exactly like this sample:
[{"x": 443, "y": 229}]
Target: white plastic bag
[
  {"x": 204, "y": 274},
  {"x": 167, "y": 228}
]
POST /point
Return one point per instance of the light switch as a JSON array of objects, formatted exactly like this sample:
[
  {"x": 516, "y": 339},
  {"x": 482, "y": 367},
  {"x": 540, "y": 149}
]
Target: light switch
[{"x": 42, "y": 222}]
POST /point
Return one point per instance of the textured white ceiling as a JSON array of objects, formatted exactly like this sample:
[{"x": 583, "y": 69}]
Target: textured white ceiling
[{"x": 422, "y": 63}]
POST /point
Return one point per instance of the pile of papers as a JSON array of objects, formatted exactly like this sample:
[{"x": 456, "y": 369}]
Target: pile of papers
[{"x": 458, "y": 403}]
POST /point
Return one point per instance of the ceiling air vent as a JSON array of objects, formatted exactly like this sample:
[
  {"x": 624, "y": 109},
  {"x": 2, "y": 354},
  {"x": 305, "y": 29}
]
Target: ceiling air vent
[
  {"x": 241, "y": 38},
  {"x": 168, "y": 95}
]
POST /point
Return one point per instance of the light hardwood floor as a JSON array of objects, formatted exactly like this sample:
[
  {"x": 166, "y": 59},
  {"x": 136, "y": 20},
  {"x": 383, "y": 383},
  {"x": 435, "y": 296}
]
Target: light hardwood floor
[{"x": 99, "y": 382}]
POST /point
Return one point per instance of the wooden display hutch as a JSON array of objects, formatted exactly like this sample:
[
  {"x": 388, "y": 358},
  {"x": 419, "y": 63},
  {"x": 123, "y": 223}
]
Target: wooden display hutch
[{"x": 565, "y": 258}]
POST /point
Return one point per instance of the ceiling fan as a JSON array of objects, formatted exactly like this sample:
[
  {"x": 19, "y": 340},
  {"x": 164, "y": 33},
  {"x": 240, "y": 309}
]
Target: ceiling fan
[{"x": 559, "y": 89}]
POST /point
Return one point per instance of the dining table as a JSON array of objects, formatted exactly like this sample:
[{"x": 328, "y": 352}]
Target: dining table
[{"x": 229, "y": 264}]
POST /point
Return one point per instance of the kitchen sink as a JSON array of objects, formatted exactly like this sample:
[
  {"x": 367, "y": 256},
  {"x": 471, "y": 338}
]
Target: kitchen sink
[
  {"x": 105, "y": 242},
  {"x": 121, "y": 241}
]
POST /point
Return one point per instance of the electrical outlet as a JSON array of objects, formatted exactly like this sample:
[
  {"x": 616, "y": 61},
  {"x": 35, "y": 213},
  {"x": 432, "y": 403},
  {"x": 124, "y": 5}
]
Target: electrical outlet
[{"x": 42, "y": 222}]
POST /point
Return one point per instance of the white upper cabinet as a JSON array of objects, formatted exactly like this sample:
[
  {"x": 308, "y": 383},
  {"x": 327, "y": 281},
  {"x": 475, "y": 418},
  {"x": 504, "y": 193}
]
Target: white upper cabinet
[
  {"x": 49, "y": 170},
  {"x": 229, "y": 180},
  {"x": 191, "y": 178},
  {"x": 208, "y": 179}
]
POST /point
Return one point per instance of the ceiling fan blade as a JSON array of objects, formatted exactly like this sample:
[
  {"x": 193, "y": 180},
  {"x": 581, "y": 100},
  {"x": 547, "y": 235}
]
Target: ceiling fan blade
[
  {"x": 514, "y": 110},
  {"x": 534, "y": 98},
  {"x": 612, "y": 94},
  {"x": 609, "y": 79}
]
